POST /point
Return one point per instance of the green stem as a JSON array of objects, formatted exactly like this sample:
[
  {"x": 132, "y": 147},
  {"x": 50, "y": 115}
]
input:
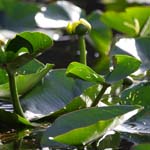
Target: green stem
[
  {"x": 99, "y": 96},
  {"x": 14, "y": 94},
  {"x": 82, "y": 48}
]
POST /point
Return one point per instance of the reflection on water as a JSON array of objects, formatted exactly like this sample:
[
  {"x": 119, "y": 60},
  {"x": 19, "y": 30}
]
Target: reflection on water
[{"x": 6, "y": 106}]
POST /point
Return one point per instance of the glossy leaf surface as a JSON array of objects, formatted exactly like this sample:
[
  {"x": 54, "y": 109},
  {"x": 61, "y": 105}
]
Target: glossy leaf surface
[
  {"x": 83, "y": 126},
  {"x": 82, "y": 101},
  {"x": 53, "y": 93},
  {"x": 124, "y": 65},
  {"x": 24, "y": 47},
  {"x": 84, "y": 72}
]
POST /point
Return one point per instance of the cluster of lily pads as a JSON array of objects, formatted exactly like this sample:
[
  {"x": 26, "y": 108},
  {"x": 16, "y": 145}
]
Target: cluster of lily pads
[{"x": 82, "y": 104}]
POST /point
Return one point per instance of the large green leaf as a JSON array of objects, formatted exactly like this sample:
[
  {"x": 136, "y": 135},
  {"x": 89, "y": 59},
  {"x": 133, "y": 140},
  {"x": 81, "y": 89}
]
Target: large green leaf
[
  {"x": 53, "y": 93},
  {"x": 12, "y": 119},
  {"x": 130, "y": 22},
  {"x": 100, "y": 35},
  {"x": 137, "y": 95},
  {"x": 83, "y": 126},
  {"x": 26, "y": 79},
  {"x": 124, "y": 65},
  {"x": 84, "y": 72},
  {"x": 144, "y": 146}
]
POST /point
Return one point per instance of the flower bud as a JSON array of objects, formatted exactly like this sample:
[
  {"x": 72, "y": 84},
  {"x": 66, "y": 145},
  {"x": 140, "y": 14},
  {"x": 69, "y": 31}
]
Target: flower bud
[{"x": 80, "y": 27}]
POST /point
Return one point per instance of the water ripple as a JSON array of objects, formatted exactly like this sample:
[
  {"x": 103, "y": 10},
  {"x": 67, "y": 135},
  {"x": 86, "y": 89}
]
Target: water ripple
[{"x": 6, "y": 106}]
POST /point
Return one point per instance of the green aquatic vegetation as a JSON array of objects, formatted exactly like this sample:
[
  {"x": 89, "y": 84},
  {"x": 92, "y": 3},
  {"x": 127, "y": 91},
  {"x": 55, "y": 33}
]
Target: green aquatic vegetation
[{"x": 82, "y": 103}]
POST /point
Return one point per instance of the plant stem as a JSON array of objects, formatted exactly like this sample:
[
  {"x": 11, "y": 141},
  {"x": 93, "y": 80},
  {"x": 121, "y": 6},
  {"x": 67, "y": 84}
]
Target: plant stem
[
  {"x": 82, "y": 48},
  {"x": 99, "y": 96},
  {"x": 14, "y": 94}
]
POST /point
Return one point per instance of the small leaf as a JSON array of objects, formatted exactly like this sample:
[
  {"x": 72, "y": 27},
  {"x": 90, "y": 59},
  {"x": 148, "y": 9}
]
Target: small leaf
[
  {"x": 124, "y": 65},
  {"x": 86, "y": 125},
  {"x": 84, "y": 72}
]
